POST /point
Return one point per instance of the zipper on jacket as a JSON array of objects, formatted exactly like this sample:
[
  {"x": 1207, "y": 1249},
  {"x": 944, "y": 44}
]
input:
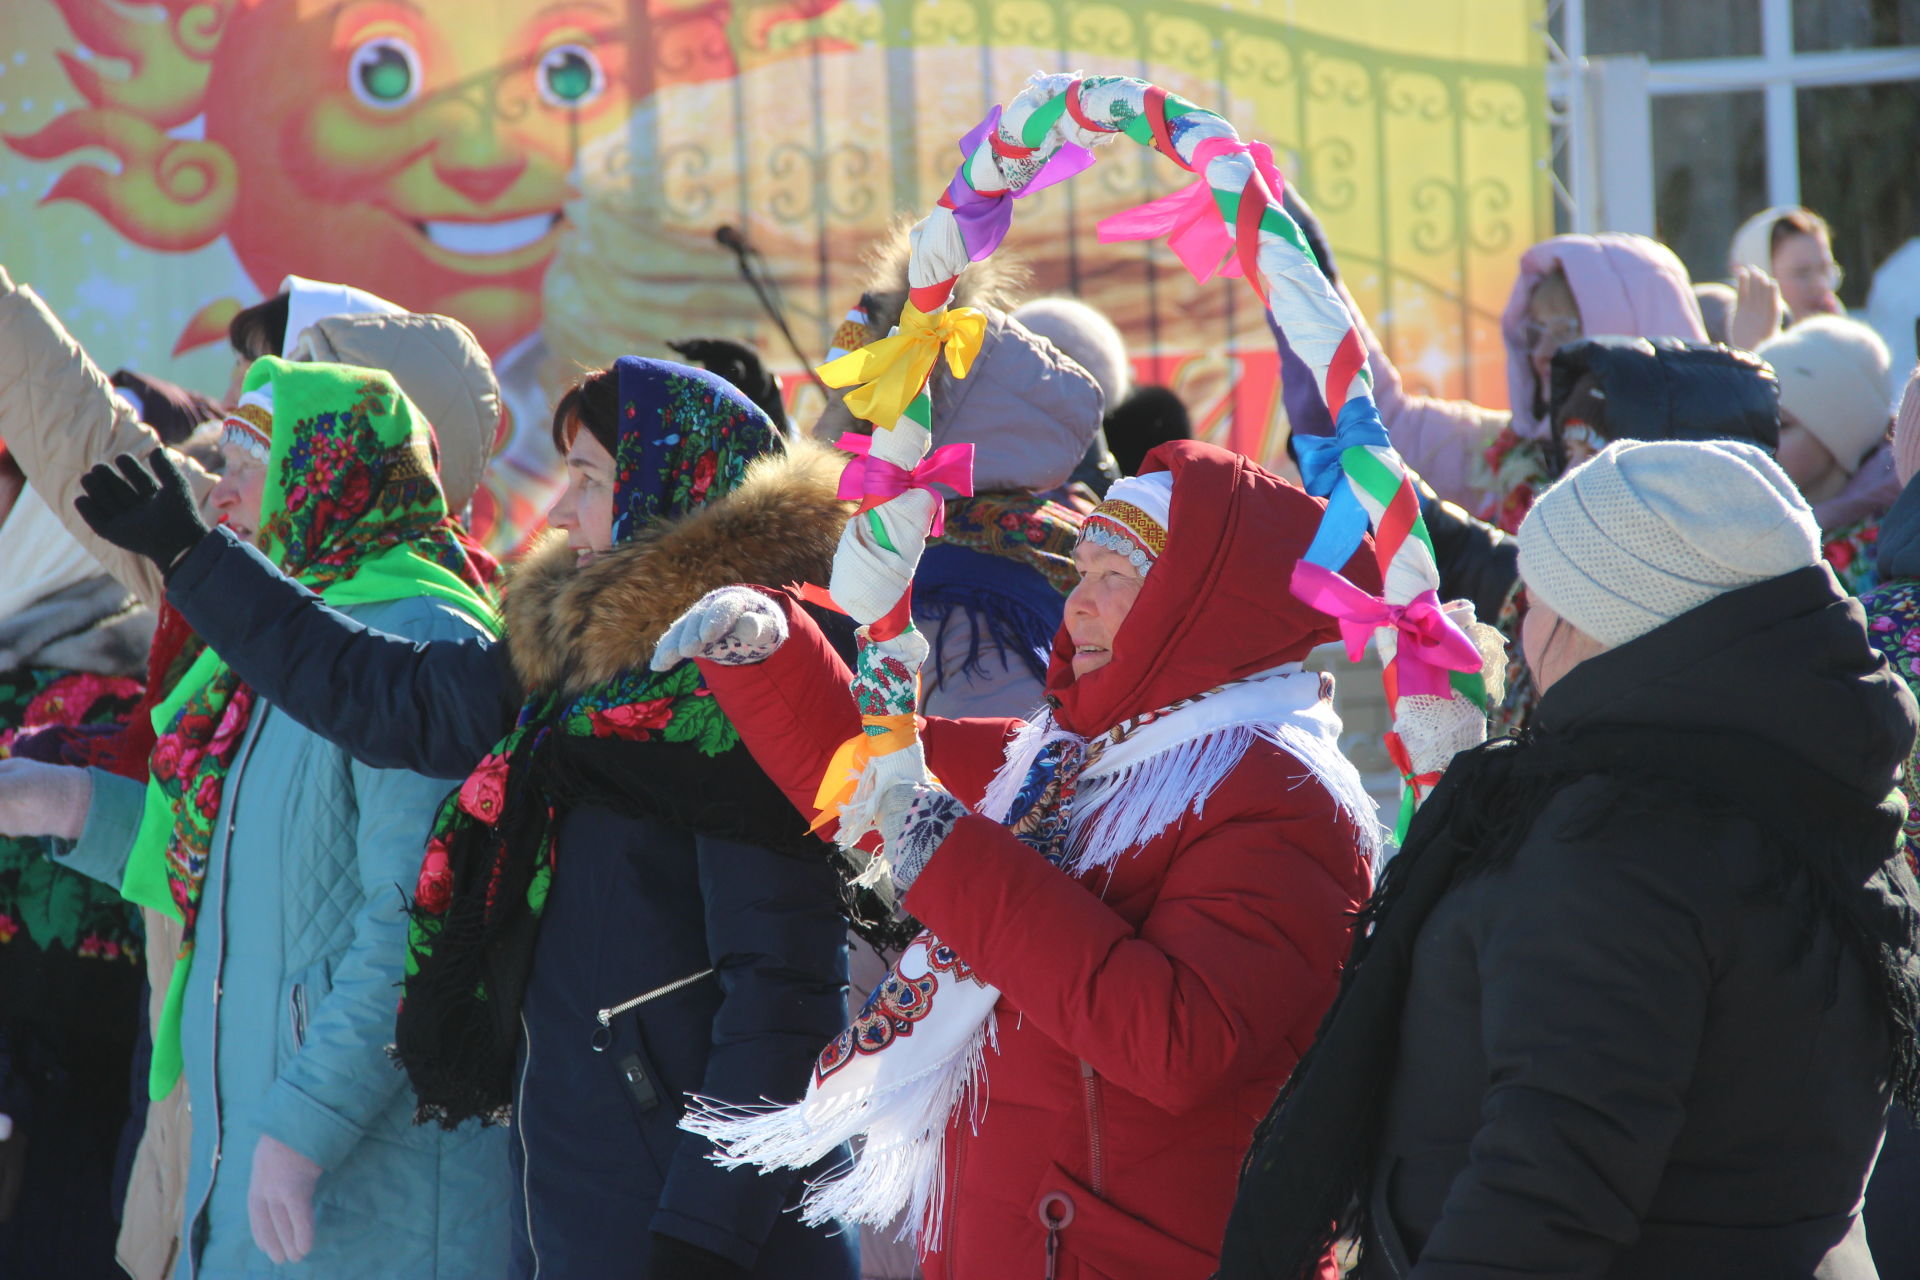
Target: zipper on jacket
[
  {"x": 526, "y": 1158},
  {"x": 603, "y": 1038},
  {"x": 1096, "y": 1138},
  {"x": 1056, "y": 1215},
  {"x": 297, "y": 1010},
  {"x": 189, "y": 1221}
]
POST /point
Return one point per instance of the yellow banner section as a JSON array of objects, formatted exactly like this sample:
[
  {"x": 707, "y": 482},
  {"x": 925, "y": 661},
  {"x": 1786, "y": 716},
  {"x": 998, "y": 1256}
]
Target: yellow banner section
[{"x": 555, "y": 174}]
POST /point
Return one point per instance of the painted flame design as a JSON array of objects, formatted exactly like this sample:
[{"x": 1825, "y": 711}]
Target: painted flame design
[{"x": 170, "y": 194}]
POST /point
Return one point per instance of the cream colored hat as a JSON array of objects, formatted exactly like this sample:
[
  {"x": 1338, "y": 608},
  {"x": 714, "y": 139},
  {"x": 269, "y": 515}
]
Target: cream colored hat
[
  {"x": 1647, "y": 530},
  {"x": 1833, "y": 380}
]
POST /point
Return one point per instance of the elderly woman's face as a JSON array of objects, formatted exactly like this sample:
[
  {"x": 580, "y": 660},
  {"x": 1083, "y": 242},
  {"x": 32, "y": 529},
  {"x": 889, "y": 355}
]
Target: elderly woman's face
[
  {"x": 1553, "y": 320},
  {"x": 1109, "y": 584},
  {"x": 1551, "y": 645},
  {"x": 242, "y": 487}
]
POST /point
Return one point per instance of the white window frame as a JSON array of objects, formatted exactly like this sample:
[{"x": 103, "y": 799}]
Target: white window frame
[{"x": 1601, "y": 109}]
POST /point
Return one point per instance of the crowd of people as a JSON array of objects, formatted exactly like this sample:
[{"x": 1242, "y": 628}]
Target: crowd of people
[{"x": 371, "y": 909}]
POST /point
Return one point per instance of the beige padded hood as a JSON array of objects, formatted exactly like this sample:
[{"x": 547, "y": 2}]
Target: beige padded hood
[{"x": 439, "y": 364}]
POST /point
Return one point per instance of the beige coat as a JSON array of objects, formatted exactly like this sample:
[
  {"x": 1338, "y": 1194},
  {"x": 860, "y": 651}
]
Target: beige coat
[{"x": 58, "y": 417}]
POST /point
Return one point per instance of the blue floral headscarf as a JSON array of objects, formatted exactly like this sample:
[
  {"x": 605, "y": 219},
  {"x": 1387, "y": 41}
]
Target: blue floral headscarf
[{"x": 684, "y": 435}]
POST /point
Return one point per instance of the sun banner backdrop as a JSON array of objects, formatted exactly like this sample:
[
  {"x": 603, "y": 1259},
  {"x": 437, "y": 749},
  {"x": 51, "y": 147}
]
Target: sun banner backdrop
[{"x": 553, "y": 174}]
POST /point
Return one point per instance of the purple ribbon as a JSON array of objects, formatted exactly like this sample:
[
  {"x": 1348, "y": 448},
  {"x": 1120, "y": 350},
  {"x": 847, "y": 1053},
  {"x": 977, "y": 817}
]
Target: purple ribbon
[{"x": 984, "y": 217}]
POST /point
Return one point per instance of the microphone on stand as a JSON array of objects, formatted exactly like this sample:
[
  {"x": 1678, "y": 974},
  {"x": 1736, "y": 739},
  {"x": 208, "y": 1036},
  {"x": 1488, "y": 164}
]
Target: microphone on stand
[{"x": 732, "y": 238}]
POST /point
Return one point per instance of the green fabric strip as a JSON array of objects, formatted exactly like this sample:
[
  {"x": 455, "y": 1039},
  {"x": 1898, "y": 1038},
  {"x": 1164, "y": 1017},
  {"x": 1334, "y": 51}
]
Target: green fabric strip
[
  {"x": 1034, "y": 131},
  {"x": 1371, "y": 474},
  {"x": 880, "y": 532},
  {"x": 919, "y": 411}
]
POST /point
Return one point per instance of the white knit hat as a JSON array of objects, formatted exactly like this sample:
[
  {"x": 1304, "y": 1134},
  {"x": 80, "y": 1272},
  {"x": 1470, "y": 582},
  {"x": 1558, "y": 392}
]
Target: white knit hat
[
  {"x": 1647, "y": 530},
  {"x": 1833, "y": 379},
  {"x": 249, "y": 424},
  {"x": 1087, "y": 337},
  {"x": 1133, "y": 519}
]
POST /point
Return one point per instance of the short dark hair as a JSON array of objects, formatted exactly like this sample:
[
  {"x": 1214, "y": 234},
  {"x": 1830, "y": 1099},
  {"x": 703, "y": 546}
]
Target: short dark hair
[
  {"x": 260, "y": 330},
  {"x": 1796, "y": 222},
  {"x": 593, "y": 403}
]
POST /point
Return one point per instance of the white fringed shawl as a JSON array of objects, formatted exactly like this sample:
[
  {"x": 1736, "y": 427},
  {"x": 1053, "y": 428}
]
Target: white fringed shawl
[{"x": 929, "y": 1026}]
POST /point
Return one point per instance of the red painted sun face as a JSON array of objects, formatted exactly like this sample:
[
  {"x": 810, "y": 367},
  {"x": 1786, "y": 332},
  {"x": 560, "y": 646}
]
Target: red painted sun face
[
  {"x": 416, "y": 148},
  {"x": 412, "y": 153}
]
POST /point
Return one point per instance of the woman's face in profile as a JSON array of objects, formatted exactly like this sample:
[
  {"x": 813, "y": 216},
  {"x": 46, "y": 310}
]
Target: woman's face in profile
[{"x": 1551, "y": 645}]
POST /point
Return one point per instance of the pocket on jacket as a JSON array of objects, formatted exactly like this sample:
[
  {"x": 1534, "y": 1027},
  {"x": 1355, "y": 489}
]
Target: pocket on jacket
[
  {"x": 299, "y": 998},
  {"x": 654, "y": 1105},
  {"x": 1385, "y": 1257},
  {"x": 1103, "y": 1242}
]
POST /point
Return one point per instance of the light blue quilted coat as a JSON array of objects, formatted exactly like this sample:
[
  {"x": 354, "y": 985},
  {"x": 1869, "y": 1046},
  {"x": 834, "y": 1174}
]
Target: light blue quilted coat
[{"x": 290, "y": 1007}]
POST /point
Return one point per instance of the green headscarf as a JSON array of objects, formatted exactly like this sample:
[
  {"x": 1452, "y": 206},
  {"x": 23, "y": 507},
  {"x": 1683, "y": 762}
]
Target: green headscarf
[{"x": 352, "y": 510}]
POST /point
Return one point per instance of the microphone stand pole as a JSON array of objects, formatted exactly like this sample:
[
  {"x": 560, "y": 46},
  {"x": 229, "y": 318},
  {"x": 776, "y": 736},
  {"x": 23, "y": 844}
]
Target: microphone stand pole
[{"x": 738, "y": 244}]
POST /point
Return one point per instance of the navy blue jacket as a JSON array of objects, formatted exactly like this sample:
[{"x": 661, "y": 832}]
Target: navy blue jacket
[{"x": 636, "y": 904}]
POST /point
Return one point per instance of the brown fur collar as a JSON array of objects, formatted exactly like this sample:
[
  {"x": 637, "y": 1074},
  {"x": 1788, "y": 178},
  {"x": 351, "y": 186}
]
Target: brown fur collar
[{"x": 575, "y": 627}]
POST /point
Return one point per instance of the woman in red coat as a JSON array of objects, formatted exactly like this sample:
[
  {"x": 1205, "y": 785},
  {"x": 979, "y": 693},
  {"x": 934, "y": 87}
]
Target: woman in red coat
[{"x": 1165, "y": 920}]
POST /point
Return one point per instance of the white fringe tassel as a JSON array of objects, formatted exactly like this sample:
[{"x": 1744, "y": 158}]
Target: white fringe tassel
[
  {"x": 1122, "y": 810},
  {"x": 901, "y": 1164}
]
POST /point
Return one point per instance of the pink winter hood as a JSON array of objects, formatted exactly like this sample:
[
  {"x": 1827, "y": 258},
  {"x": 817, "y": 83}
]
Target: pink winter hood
[{"x": 1624, "y": 285}]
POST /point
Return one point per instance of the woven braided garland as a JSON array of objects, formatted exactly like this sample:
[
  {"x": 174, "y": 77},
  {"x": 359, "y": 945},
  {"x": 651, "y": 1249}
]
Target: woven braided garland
[{"x": 1230, "y": 222}]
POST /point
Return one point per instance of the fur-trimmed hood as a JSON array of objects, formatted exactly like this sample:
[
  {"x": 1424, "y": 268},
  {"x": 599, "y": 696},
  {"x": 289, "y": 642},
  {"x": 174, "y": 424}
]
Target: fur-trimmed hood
[{"x": 572, "y": 627}]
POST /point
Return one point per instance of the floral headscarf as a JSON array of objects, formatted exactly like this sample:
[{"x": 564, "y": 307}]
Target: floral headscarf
[
  {"x": 685, "y": 438},
  {"x": 352, "y": 510}
]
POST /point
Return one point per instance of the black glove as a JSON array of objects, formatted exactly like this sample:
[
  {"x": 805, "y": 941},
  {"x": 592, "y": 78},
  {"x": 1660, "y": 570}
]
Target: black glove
[
  {"x": 151, "y": 514},
  {"x": 740, "y": 365},
  {"x": 675, "y": 1259}
]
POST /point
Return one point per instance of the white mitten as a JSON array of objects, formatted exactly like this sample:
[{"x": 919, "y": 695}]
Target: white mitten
[
  {"x": 914, "y": 819},
  {"x": 733, "y": 626},
  {"x": 280, "y": 1200},
  {"x": 1434, "y": 730},
  {"x": 43, "y": 799}
]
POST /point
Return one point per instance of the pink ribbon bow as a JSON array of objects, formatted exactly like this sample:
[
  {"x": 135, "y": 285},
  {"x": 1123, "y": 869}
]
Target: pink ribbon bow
[
  {"x": 871, "y": 481},
  {"x": 1190, "y": 218},
  {"x": 1430, "y": 645}
]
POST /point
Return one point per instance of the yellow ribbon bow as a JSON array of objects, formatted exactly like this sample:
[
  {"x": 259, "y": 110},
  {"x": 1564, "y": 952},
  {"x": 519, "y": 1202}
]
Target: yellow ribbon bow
[
  {"x": 850, "y": 761},
  {"x": 888, "y": 374}
]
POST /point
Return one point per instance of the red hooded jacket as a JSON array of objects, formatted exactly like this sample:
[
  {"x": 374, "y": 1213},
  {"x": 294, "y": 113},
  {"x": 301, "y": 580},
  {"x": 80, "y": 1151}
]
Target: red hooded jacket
[{"x": 1149, "y": 1014}]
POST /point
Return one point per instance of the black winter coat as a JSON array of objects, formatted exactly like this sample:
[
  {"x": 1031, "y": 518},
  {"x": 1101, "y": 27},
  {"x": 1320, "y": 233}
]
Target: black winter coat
[
  {"x": 1478, "y": 561},
  {"x": 636, "y": 904},
  {"x": 1665, "y": 389},
  {"x": 1632, "y": 1051}
]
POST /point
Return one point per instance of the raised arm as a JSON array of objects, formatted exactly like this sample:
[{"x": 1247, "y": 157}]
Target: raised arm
[
  {"x": 793, "y": 708},
  {"x": 434, "y": 707},
  {"x": 59, "y": 416}
]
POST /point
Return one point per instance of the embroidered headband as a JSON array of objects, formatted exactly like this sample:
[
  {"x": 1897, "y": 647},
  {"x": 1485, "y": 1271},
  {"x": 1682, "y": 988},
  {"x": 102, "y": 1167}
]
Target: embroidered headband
[
  {"x": 249, "y": 426},
  {"x": 1133, "y": 520},
  {"x": 850, "y": 336}
]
